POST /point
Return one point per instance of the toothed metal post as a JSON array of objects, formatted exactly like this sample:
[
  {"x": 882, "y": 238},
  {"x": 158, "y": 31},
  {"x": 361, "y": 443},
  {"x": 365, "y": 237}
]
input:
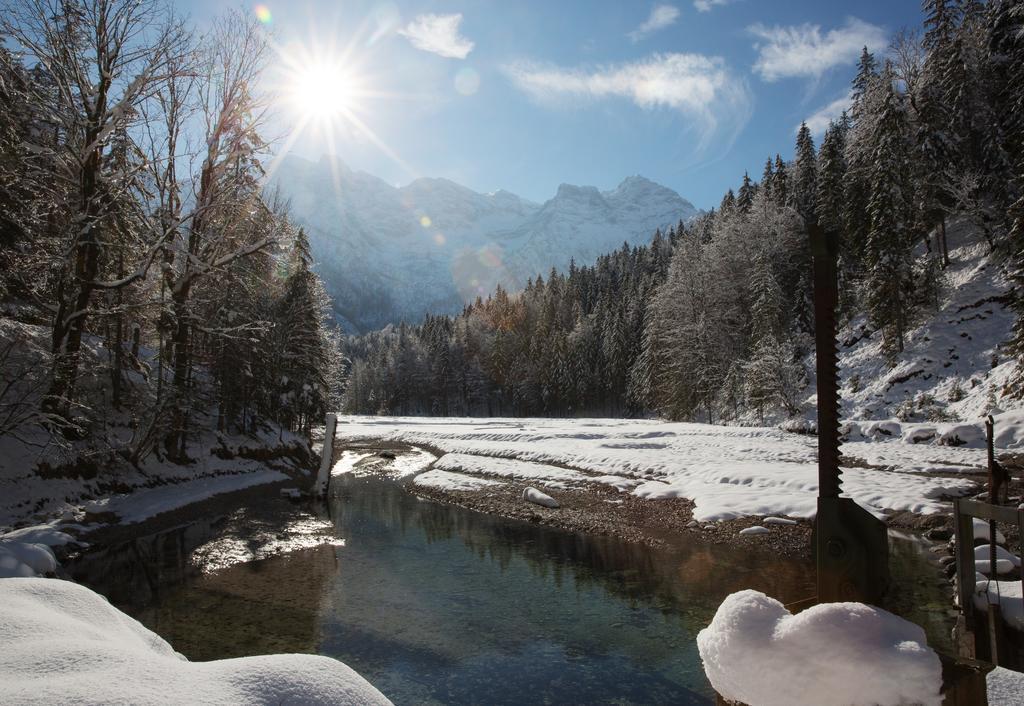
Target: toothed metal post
[{"x": 851, "y": 544}]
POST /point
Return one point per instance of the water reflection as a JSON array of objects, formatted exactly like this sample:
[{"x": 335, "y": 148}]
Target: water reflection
[
  {"x": 437, "y": 604},
  {"x": 452, "y": 606}
]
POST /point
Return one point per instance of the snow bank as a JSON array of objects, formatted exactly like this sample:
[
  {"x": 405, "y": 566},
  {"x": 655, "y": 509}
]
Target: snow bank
[
  {"x": 512, "y": 469},
  {"x": 728, "y": 472},
  {"x": 446, "y": 480},
  {"x": 143, "y": 504},
  {"x": 532, "y": 495},
  {"x": 847, "y": 654},
  {"x": 65, "y": 644}
]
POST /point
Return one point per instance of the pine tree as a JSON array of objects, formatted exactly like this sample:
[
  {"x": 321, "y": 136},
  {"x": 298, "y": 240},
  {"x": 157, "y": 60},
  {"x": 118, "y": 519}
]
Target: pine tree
[
  {"x": 890, "y": 209},
  {"x": 867, "y": 71},
  {"x": 805, "y": 188},
  {"x": 745, "y": 197}
]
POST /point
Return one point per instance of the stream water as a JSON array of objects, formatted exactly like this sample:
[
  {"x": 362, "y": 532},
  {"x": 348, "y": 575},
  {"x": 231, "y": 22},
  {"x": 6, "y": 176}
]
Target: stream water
[{"x": 436, "y": 604}]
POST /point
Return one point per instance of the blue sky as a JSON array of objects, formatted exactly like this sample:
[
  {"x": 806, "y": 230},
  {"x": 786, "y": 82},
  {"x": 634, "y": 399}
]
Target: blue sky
[{"x": 526, "y": 95}]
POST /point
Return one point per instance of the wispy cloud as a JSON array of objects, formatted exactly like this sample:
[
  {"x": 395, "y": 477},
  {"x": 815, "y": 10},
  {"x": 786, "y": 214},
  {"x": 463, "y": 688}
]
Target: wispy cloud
[
  {"x": 438, "y": 34},
  {"x": 706, "y": 5},
  {"x": 661, "y": 17},
  {"x": 700, "y": 87},
  {"x": 818, "y": 122},
  {"x": 804, "y": 50}
]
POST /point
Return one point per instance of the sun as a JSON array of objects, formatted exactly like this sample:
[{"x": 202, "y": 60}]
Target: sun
[{"x": 323, "y": 91}]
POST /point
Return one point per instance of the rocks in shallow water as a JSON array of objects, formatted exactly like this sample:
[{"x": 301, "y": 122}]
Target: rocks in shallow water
[{"x": 532, "y": 495}]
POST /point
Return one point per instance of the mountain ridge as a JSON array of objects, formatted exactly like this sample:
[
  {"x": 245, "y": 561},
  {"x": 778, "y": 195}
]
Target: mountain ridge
[{"x": 392, "y": 253}]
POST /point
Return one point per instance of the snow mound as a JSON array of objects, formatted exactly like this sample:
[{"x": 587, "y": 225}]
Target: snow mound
[
  {"x": 532, "y": 495},
  {"x": 847, "y": 654},
  {"x": 23, "y": 559},
  {"x": 65, "y": 644},
  {"x": 778, "y": 521}
]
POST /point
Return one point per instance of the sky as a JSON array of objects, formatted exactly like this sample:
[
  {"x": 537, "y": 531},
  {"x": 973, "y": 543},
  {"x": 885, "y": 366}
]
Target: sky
[{"x": 529, "y": 94}]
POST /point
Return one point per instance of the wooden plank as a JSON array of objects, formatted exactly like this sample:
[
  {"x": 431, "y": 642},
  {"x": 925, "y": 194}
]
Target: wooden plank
[
  {"x": 985, "y": 511},
  {"x": 964, "y": 533}
]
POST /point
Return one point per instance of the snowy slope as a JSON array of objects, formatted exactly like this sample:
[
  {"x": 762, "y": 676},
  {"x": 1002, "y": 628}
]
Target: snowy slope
[
  {"x": 388, "y": 253},
  {"x": 954, "y": 366}
]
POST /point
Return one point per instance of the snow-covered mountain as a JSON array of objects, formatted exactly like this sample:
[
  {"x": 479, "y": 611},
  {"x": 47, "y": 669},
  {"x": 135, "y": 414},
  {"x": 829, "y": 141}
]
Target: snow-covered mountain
[{"x": 391, "y": 253}]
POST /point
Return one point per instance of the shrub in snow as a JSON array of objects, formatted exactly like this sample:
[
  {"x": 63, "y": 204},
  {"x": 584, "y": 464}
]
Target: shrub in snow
[
  {"x": 532, "y": 495},
  {"x": 843, "y": 654},
  {"x": 65, "y": 644},
  {"x": 963, "y": 435},
  {"x": 884, "y": 430}
]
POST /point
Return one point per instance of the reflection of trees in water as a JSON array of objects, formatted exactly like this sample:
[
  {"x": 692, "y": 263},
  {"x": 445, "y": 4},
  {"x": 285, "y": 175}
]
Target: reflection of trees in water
[
  {"x": 250, "y": 608},
  {"x": 132, "y": 574},
  {"x": 689, "y": 579}
]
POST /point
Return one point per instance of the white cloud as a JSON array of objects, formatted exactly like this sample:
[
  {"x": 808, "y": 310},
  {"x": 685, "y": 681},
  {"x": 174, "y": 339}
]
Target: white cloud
[
  {"x": 818, "y": 122},
  {"x": 661, "y": 17},
  {"x": 700, "y": 87},
  {"x": 438, "y": 34},
  {"x": 706, "y": 5},
  {"x": 804, "y": 51}
]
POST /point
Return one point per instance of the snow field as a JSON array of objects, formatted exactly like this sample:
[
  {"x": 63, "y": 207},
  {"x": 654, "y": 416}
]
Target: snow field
[
  {"x": 728, "y": 472},
  {"x": 834, "y": 654},
  {"x": 65, "y": 644}
]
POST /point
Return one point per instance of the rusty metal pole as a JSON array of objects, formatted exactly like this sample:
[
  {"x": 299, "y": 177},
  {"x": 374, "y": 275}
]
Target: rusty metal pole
[{"x": 851, "y": 545}]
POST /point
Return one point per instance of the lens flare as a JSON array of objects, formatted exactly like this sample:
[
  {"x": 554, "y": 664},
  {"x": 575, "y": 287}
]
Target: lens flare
[
  {"x": 263, "y": 14},
  {"x": 440, "y": 239},
  {"x": 425, "y": 221},
  {"x": 467, "y": 81}
]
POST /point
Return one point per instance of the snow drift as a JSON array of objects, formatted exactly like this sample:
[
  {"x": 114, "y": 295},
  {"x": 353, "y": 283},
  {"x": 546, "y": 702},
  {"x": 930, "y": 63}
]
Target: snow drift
[
  {"x": 755, "y": 651},
  {"x": 65, "y": 644}
]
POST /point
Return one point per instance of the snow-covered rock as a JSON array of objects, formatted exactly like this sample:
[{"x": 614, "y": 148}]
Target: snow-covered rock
[
  {"x": 756, "y": 529},
  {"x": 834, "y": 654},
  {"x": 26, "y": 552},
  {"x": 982, "y": 553},
  {"x": 65, "y": 644},
  {"x": 1005, "y": 594},
  {"x": 532, "y": 495},
  {"x": 981, "y": 532},
  {"x": 454, "y": 243}
]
